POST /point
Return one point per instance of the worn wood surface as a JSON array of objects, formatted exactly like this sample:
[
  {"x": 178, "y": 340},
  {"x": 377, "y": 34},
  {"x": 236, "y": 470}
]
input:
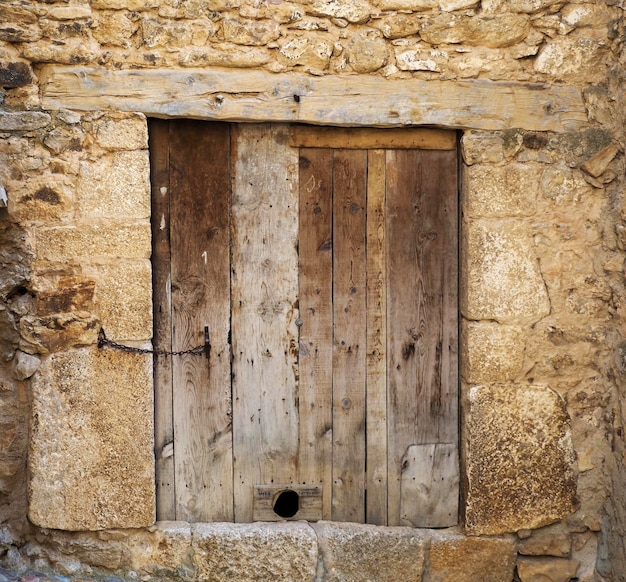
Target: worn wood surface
[
  {"x": 309, "y": 501},
  {"x": 264, "y": 311},
  {"x": 376, "y": 321},
  {"x": 316, "y": 348},
  {"x": 349, "y": 331},
  {"x": 199, "y": 214},
  {"x": 163, "y": 420},
  {"x": 357, "y": 100},
  {"x": 430, "y": 486},
  {"x": 422, "y": 305}
]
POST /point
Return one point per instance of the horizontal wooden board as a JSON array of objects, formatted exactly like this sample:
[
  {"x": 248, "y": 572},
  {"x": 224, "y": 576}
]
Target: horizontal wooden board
[
  {"x": 309, "y": 502},
  {"x": 355, "y": 100},
  {"x": 361, "y": 138}
]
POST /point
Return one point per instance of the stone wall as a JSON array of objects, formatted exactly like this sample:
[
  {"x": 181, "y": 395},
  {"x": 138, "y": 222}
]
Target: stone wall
[{"x": 543, "y": 238}]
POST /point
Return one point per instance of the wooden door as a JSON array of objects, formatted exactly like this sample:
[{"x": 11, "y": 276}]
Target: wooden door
[{"x": 324, "y": 263}]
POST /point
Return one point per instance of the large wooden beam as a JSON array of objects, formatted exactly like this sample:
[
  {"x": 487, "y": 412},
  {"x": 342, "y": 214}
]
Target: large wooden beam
[{"x": 339, "y": 101}]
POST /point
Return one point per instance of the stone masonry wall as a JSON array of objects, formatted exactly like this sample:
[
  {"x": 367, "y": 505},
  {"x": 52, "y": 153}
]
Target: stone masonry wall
[{"x": 542, "y": 298}]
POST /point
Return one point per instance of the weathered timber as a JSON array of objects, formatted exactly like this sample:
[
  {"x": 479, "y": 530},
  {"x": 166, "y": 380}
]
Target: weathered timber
[{"x": 340, "y": 101}]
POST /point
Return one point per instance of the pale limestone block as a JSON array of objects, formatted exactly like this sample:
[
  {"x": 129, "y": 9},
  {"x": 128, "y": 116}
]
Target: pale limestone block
[
  {"x": 115, "y": 186},
  {"x": 408, "y": 5},
  {"x": 131, "y": 5},
  {"x": 25, "y": 365},
  {"x": 547, "y": 569},
  {"x": 53, "y": 333},
  {"x": 123, "y": 298},
  {"x": 454, "y": 557},
  {"x": 398, "y": 25},
  {"x": 499, "y": 191},
  {"x": 312, "y": 53},
  {"x": 420, "y": 60},
  {"x": 528, "y": 6},
  {"x": 250, "y": 32},
  {"x": 485, "y": 148},
  {"x": 164, "y": 550},
  {"x": 547, "y": 542},
  {"x": 598, "y": 163},
  {"x": 42, "y": 197},
  {"x": 564, "y": 185},
  {"x": 72, "y": 12},
  {"x": 23, "y": 120},
  {"x": 519, "y": 458},
  {"x": 127, "y": 133},
  {"x": 500, "y": 273},
  {"x": 225, "y": 56},
  {"x": 491, "y": 353},
  {"x": 91, "y": 453},
  {"x": 565, "y": 57},
  {"x": 61, "y": 139},
  {"x": 352, "y": 551},
  {"x": 498, "y": 31},
  {"x": 452, "y": 5},
  {"x": 354, "y": 11},
  {"x": 72, "y": 51},
  {"x": 106, "y": 239},
  {"x": 260, "y": 551},
  {"x": 367, "y": 52},
  {"x": 115, "y": 29}
]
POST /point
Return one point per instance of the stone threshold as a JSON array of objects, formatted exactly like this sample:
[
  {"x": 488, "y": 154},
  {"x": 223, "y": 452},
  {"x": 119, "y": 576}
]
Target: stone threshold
[{"x": 282, "y": 551}]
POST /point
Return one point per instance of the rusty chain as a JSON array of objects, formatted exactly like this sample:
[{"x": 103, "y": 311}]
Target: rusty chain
[{"x": 104, "y": 341}]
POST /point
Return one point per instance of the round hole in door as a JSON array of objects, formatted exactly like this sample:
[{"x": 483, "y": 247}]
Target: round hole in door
[{"x": 287, "y": 503}]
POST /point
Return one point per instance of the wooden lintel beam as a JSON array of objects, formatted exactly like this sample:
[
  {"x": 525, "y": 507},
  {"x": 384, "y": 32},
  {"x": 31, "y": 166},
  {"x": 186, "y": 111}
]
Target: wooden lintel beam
[{"x": 337, "y": 101}]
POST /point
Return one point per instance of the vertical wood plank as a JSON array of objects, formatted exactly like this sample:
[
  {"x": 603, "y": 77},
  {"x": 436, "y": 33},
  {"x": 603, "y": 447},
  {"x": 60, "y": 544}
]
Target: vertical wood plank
[
  {"x": 164, "y": 427},
  {"x": 200, "y": 184},
  {"x": 264, "y": 295},
  {"x": 422, "y": 292},
  {"x": 349, "y": 342},
  {"x": 315, "y": 345},
  {"x": 376, "y": 411}
]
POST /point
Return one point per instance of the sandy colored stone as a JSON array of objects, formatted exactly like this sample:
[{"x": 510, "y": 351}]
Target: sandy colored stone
[
  {"x": 250, "y": 32},
  {"x": 598, "y": 163},
  {"x": 546, "y": 569},
  {"x": 91, "y": 450},
  {"x": 25, "y": 365},
  {"x": 452, "y": 5},
  {"x": 309, "y": 53},
  {"x": 421, "y": 60},
  {"x": 125, "y": 133},
  {"x": 69, "y": 12},
  {"x": 398, "y": 25},
  {"x": 278, "y": 551},
  {"x": 500, "y": 273},
  {"x": 52, "y": 333},
  {"x": 499, "y": 191},
  {"x": 408, "y": 5},
  {"x": 355, "y": 11},
  {"x": 546, "y": 543},
  {"x": 61, "y": 292},
  {"x": 123, "y": 298},
  {"x": 519, "y": 458},
  {"x": 23, "y": 120},
  {"x": 367, "y": 52},
  {"x": 454, "y": 557},
  {"x": 61, "y": 139},
  {"x": 44, "y": 198},
  {"x": 564, "y": 57},
  {"x": 564, "y": 185},
  {"x": 491, "y": 353},
  {"x": 105, "y": 239},
  {"x": 235, "y": 57},
  {"x": 115, "y": 186},
  {"x": 478, "y": 147},
  {"x": 365, "y": 552}
]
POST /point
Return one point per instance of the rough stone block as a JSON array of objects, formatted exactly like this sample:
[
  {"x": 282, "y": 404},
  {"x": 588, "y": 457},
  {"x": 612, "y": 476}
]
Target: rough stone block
[
  {"x": 58, "y": 293},
  {"x": 547, "y": 542},
  {"x": 519, "y": 458},
  {"x": 365, "y": 552},
  {"x": 478, "y": 147},
  {"x": 500, "y": 273},
  {"x": 15, "y": 74},
  {"x": 105, "y": 239},
  {"x": 566, "y": 57},
  {"x": 278, "y": 552},
  {"x": 126, "y": 133},
  {"x": 123, "y": 298},
  {"x": 40, "y": 198},
  {"x": 499, "y": 191},
  {"x": 23, "y": 120},
  {"x": 115, "y": 186},
  {"x": 491, "y": 353},
  {"x": 546, "y": 569},
  {"x": 52, "y": 333},
  {"x": 91, "y": 453},
  {"x": 454, "y": 557}
]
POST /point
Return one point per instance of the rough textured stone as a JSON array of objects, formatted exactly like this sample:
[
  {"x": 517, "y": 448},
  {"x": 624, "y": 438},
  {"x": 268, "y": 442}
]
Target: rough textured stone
[
  {"x": 238, "y": 57},
  {"x": 597, "y": 164},
  {"x": 57, "y": 293},
  {"x": 500, "y": 273},
  {"x": 9, "y": 335},
  {"x": 115, "y": 186},
  {"x": 564, "y": 57},
  {"x": 398, "y": 25},
  {"x": 546, "y": 543},
  {"x": 106, "y": 239},
  {"x": 519, "y": 458},
  {"x": 250, "y": 32},
  {"x": 452, "y": 558},
  {"x": 485, "y": 148},
  {"x": 499, "y": 191},
  {"x": 304, "y": 52},
  {"x": 367, "y": 52},
  {"x": 40, "y": 198},
  {"x": 491, "y": 352},
  {"x": 16, "y": 74},
  {"x": 123, "y": 298},
  {"x": 52, "y": 333},
  {"x": 25, "y": 365},
  {"x": 356, "y": 11},
  {"x": 364, "y": 552},
  {"x": 91, "y": 449},
  {"x": 546, "y": 569},
  {"x": 420, "y": 60},
  {"x": 408, "y": 5},
  {"x": 225, "y": 552},
  {"x": 23, "y": 121}
]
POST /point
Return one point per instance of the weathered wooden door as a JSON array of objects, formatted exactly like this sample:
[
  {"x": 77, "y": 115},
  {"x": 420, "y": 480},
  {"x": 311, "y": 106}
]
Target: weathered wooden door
[{"x": 323, "y": 263}]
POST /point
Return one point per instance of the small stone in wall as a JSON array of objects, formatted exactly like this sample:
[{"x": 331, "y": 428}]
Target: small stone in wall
[
  {"x": 367, "y": 52},
  {"x": 546, "y": 569},
  {"x": 354, "y": 11},
  {"x": 250, "y": 32},
  {"x": 15, "y": 74},
  {"x": 25, "y": 365}
]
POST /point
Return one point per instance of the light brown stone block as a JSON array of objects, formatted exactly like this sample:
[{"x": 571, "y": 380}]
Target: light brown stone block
[
  {"x": 91, "y": 454},
  {"x": 546, "y": 569},
  {"x": 499, "y": 191},
  {"x": 519, "y": 459},
  {"x": 106, "y": 239},
  {"x": 365, "y": 552},
  {"x": 115, "y": 186},
  {"x": 124, "y": 133},
  {"x": 284, "y": 552},
  {"x": 491, "y": 353},
  {"x": 500, "y": 273},
  {"x": 454, "y": 557},
  {"x": 123, "y": 298}
]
